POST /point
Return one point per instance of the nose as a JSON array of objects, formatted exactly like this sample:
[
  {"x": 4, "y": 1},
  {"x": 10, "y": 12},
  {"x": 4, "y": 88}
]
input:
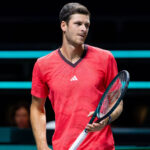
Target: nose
[{"x": 83, "y": 28}]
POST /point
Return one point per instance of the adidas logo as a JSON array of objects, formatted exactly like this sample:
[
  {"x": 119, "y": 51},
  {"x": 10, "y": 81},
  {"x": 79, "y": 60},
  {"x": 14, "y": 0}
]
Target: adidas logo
[{"x": 74, "y": 78}]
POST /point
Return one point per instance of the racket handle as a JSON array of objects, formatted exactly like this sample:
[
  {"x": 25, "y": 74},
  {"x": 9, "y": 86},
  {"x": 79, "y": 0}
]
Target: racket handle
[{"x": 79, "y": 140}]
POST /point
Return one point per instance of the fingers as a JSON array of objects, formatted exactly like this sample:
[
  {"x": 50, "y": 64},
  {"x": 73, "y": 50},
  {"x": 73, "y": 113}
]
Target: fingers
[
  {"x": 95, "y": 126},
  {"x": 91, "y": 113}
]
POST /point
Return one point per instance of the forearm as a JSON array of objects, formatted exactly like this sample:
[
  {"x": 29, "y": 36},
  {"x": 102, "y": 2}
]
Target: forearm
[
  {"x": 38, "y": 122},
  {"x": 116, "y": 113}
]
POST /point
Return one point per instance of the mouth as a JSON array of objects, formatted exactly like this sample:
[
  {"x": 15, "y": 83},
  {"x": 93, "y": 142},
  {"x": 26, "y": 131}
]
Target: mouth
[{"x": 81, "y": 35}]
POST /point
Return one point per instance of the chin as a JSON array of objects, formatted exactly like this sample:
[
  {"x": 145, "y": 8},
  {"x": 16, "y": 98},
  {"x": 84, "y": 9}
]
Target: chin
[{"x": 80, "y": 42}]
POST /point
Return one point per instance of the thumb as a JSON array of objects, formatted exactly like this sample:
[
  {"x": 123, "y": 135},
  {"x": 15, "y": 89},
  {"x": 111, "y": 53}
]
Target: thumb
[{"x": 91, "y": 113}]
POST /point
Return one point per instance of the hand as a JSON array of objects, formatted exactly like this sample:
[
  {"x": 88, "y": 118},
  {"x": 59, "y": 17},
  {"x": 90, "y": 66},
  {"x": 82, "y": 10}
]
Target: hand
[{"x": 96, "y": 126}]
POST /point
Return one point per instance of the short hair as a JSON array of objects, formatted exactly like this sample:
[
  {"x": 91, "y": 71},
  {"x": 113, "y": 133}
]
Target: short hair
[{"x": 70, "y": 9}]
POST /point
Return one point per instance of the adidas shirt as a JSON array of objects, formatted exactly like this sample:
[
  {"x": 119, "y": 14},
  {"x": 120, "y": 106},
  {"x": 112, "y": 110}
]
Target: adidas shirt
[{"x": 75, "y": 90}]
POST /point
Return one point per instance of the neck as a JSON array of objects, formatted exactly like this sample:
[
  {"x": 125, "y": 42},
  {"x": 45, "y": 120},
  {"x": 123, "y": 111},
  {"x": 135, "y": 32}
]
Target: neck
[{"x": 71, "y": 52}]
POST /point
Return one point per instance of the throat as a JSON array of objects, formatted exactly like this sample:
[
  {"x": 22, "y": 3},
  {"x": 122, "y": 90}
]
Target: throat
[
  {"x": 72, "y": 59},
  {"x": 73, "y": 56},
  {"x": 75, "y": 59}
]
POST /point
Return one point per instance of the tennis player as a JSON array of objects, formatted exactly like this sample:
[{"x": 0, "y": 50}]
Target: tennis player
[{"x": 74, "y": 78}]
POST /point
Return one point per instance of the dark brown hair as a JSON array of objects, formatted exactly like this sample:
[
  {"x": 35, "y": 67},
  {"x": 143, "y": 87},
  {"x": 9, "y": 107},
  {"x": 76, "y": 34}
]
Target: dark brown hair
[{"x": 70, "y": 9}]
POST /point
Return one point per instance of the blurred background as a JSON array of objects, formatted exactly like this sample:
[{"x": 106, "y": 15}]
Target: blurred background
[{"x": 122, "y": 28}]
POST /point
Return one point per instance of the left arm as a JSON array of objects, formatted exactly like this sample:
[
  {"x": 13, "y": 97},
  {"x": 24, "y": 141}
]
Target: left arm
[
  {"x": 98, "y": 126},
  {"x": 116, "y": 113}
]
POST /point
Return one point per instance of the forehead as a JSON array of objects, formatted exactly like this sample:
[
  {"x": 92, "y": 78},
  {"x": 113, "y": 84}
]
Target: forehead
[{"x": 80, "y": 17}]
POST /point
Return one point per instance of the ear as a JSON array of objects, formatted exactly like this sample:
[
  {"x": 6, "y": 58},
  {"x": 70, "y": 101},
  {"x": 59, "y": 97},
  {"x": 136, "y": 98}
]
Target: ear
[{"x": 63, "y": 26}]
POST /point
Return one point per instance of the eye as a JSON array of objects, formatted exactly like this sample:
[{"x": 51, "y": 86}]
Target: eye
[
  {"x": 78, "y": 23},
  {"x": 87, "y": 25}
]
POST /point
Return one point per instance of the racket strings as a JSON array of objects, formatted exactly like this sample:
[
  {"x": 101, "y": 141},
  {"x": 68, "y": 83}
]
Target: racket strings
[{"x": 113, "y": 94}]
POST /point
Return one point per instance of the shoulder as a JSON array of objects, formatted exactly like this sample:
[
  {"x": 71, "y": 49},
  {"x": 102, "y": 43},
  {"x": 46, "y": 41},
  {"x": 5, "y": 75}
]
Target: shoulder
[
  {"x": 45, "y": 63},
  {"x": 99, "y": 52},
  {"x": 47, "y": 59}
]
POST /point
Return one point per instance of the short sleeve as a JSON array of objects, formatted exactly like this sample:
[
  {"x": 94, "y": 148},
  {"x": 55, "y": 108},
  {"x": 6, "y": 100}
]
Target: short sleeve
[
  {"x": 111, "y": 70},
  {"x": 39, "y": 87}
]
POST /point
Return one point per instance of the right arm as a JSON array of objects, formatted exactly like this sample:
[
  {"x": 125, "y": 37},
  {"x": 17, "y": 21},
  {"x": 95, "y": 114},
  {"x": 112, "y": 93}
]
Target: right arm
[{"x": 38, "y": 122}]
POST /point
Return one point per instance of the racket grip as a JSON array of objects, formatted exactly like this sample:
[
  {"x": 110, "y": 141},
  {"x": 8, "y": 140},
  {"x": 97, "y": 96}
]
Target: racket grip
[{"x": 79, "y": 140}]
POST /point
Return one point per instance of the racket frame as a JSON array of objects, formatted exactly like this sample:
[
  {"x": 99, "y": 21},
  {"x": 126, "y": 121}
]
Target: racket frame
[{"x": 105, "y": 93}]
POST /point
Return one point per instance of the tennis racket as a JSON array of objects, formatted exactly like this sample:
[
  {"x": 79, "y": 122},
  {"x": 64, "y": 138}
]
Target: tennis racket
[{"x": 108, "y": 103}]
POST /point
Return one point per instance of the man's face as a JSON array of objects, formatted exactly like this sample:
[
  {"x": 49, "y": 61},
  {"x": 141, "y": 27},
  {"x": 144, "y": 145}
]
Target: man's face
[{"x": 76, "y": 30}]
